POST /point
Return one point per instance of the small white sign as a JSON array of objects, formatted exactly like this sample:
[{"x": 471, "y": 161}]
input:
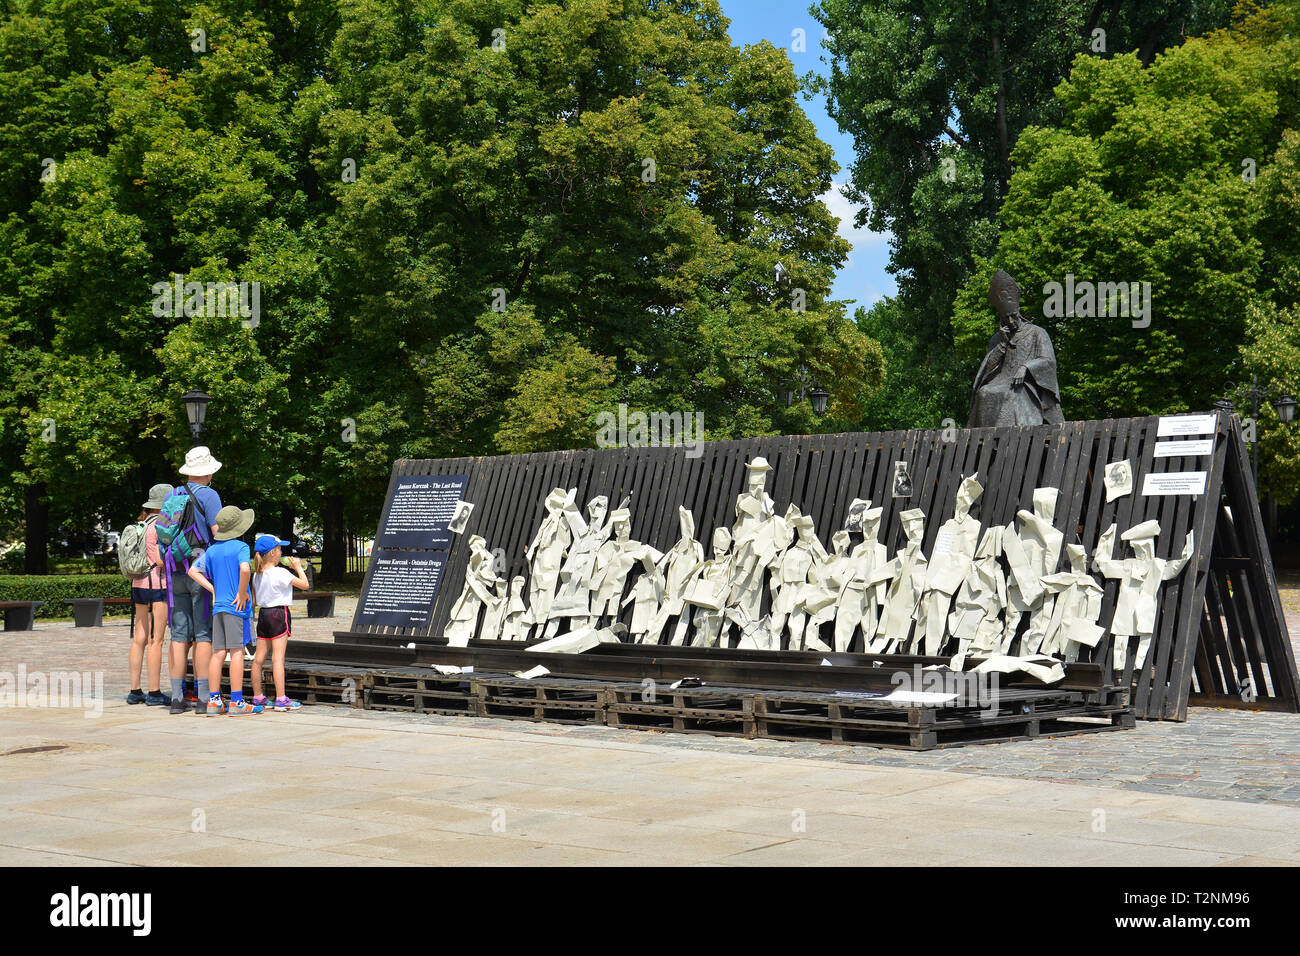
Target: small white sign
[
  {"x": 943, "y": 543},
  {"x": 1174, "y": 483},
  {"x": 1185, "y": 425},
  {"x": 1184, "y": 448}
]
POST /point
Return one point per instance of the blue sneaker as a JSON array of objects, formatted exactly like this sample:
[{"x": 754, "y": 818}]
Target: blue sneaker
[
  {"x": 283, "y": 704},
  {"x": 135, "y": 697},
  {"x": 242, "y": 708}
]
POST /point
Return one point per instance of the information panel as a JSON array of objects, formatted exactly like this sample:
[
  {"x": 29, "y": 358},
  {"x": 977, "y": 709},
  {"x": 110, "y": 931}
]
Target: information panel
[
  {"x": 420, "y": 510},
  {"x": 402, "y": 588}
]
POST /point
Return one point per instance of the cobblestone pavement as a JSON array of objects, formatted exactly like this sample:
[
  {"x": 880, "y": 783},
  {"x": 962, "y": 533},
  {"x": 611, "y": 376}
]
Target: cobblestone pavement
[{"x": 1216, "y": 753}]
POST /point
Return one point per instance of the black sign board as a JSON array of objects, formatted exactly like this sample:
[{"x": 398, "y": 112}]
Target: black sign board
[
  {"x": 419, "y": 511},
  {"x": 401, "y": 588}
]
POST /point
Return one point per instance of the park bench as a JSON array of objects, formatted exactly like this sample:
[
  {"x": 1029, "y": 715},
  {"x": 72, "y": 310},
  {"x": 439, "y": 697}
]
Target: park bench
[
  {"x": 20, "y": 615},
  {"x": 319, "y": 603},
  {"x": 89, "y": 612}
]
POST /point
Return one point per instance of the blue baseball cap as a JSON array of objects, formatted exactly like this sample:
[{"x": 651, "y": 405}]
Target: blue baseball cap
[{"x": 268, "y": 542}]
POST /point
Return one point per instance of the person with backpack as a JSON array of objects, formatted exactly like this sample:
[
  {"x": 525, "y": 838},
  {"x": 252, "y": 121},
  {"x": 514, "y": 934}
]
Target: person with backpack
[
  {"x": 223, "y": 571},
  {"x": 137, "y": 556},
  {"x": 185, "y": 528}
]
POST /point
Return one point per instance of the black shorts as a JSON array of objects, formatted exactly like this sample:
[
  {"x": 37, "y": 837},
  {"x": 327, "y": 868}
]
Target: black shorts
[{"x": 272, "y": 622}]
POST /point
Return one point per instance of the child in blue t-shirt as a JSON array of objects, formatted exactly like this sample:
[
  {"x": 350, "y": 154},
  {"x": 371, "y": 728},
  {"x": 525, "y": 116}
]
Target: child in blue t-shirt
[{"x": 223, "y": 571}]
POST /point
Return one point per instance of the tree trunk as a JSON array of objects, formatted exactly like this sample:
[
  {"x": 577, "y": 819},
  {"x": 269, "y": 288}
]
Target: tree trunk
[
  {"x": 1004, "y": 148},
  {"x": 36, "y": 533},
  {"x": 333, "y": 563}
]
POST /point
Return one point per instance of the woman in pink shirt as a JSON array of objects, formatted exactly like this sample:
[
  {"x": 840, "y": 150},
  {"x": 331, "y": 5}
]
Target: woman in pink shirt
[{"x": 150, "y": 599}]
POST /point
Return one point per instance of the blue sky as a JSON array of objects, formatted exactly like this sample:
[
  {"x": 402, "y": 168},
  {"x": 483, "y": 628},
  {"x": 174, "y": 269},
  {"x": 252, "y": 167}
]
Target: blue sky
[{"x": 863, "y": 277}]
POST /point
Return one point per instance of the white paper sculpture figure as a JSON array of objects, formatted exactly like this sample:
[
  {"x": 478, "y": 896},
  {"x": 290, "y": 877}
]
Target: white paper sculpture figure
[
  {"x": 1032, "y": 555},
  {"x": 790, "y": 576},
  {"x": 681, "y": 559},
  {"x": 859, "y": 602},
  {"x": 906, "y": 574},
  {"x": 1078, "y": 605},
  {"x": 477, "y": 594},
  {"x": 577, "y": 573},
  {"x": 614, "y": 562},
  {"x": 950, "y": 558},
  {"x": 494, "y": 618},
  {"x": 545, "y": 557},
  {"x": 976, "y": 619},
  {"x": 647, "y": 595},
  {"x": 708, "y": 590},
  {"x": 821, "y": 595},
  {"x": 1140, "y": 578},
  {"x": 515, "y": 625},
  {"x": 754, "y": 538}
]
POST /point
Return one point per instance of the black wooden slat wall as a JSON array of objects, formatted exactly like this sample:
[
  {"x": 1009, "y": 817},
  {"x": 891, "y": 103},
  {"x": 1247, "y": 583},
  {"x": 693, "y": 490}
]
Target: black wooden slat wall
[{"x": 1218, "y": 624}]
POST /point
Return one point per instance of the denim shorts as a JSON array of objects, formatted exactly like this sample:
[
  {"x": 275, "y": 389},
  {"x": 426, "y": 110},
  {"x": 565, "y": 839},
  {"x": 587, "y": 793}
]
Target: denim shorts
[{"x": 148, "y": 595}]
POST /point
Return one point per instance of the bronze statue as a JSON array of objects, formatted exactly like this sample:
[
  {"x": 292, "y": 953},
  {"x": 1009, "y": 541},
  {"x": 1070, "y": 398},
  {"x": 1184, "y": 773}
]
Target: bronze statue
[{"x": 1016, "y": 384}]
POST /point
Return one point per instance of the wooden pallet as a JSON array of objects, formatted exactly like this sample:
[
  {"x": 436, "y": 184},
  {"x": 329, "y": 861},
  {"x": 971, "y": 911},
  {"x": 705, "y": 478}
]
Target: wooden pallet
[
  {"x": 556, "y": 700},
  {"x": 833, "y": 717},
  {"x": 309, "y": 683},
  {"x": 723, "y": 712}
]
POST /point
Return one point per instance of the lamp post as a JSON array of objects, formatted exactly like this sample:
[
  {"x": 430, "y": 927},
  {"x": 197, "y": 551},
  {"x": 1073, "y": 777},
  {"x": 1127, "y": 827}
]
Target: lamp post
[
  {"x": 196, "y": 410},
  {"x": 1284, "y": 403}
]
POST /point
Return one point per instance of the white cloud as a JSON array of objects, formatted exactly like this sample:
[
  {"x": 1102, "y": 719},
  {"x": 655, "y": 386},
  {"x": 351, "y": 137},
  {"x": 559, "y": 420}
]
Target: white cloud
[{"x": 860, "y": 238}]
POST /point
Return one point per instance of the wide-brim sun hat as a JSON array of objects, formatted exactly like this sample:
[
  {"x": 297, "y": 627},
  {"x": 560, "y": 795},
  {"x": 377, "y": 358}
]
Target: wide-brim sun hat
[
  {"x": 232, "y": 522},
  {"x": 199, "y": 462},
  {"x": 157, "y": 495}
]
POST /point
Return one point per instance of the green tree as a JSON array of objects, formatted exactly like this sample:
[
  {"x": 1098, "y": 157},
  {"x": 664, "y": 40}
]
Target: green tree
[{"x": 936, "y": 96}]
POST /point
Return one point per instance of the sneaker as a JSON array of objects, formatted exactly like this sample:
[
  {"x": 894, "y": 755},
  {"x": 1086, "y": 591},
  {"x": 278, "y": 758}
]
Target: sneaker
[
  {"x": 284, "y": 703},
  {"x": 191, "y": 692},
  {"x": 262, "y": 701},
  {"x": 213, "y": 708},
  {"x": 135, "y": 697},
  {"x": 242, "y": 708},
  {"x": 156, "y": 698},
  {"x": 179, "y": 705}
]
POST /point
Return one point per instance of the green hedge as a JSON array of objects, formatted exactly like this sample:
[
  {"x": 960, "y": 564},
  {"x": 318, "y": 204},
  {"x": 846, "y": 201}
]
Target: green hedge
[{"x": 53, "y": 589}]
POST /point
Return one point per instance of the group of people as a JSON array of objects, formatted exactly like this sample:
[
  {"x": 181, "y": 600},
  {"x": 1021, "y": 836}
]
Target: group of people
[{"x": 203, "y": 582}]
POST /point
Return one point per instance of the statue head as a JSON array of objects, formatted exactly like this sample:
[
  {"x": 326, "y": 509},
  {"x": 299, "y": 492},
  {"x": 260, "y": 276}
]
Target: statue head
[
  {"x": 1004, "y": 296},
  {"x": 967, "y": 494},
  {"x": 913, "y": 525},
  {"x": 1143, "y": 538},
  {"x": 721, "y": 541},
  {"x": 686, "y": 522},
  {"x": 840, "y": 543},
  {"x": 758, "y": 469},
  {"x": 871, "y": 523},
  {"x": 621, "y": 522},
  {"x": 596, "y": 509},
  {"x": 1078, "y": 558},
  {"x": 1045, "y": 503}
]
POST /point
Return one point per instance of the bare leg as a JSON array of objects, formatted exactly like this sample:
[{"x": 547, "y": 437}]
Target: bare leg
[
  {"x": 139, "y": 641},
  {"x": 279, "y": 647}
]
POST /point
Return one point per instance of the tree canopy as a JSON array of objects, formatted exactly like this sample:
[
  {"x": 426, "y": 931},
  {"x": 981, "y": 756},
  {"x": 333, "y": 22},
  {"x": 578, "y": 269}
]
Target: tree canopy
[{"x": 473, "y": 226}]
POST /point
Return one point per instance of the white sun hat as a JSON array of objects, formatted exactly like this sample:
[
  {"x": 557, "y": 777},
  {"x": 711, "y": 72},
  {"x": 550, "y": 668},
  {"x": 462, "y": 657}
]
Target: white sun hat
[{"x": 199, "y": 461}]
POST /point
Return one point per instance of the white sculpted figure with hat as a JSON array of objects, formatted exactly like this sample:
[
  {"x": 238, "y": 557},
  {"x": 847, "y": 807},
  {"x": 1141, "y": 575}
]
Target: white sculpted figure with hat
[
  {"x": 951, "y": 556},
  {"x": 545, "y": 555},
  {"x": 859, "y": 602},
  {"x": 479, "y": 592},
  {"x": 577, "y": 573},
  {"x": 906, "y": 574},
  {"x": 708, "y": 589},
  {"x": 1140, "y": 578},
  {"x": 1032, "y": 555}
]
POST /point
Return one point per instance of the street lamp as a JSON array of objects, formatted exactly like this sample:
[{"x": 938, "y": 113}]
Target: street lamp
[
  {"x": 1284, "y": 404},
  {"x": 196, "y": 410},
  {"x": 806, "y": 389}
]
